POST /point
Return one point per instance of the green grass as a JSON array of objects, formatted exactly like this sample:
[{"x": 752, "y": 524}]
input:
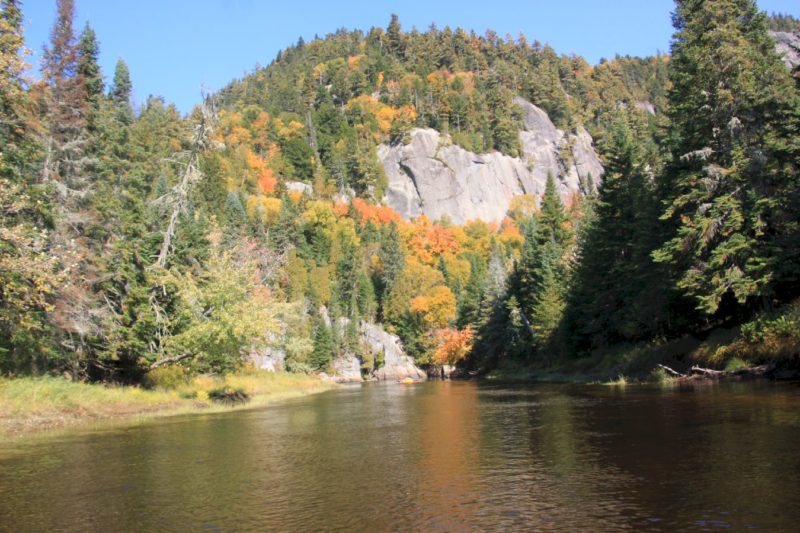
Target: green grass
[
  {"x": 620, "y": 381},
  {"x": 736, "y": 363},
  {"x": 29, "y": 405},
  {"x": 659, "y": 375}
]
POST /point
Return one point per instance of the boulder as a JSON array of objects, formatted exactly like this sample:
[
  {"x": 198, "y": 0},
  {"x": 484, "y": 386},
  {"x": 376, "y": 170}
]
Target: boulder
[{"x": 431, "y": 176}]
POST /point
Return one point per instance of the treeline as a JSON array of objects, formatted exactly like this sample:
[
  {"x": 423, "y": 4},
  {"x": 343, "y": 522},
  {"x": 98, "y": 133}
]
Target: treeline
[
  {"x": 784, "y": 22},
  {"x": 132, "y": 239}
]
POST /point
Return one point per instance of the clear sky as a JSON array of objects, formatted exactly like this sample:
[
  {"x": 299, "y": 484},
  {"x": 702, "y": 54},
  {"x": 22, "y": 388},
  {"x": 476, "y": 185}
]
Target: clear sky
[{"x": 174, "y": 48}]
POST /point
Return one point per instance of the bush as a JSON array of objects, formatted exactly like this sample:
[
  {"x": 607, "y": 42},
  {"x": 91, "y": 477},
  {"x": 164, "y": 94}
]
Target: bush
[
  {"x": 659, "y": 375},
  {"x": 228, "y": 396},
  {"x": 168, "y": 377},
  {"x": 735, "y": 363}
]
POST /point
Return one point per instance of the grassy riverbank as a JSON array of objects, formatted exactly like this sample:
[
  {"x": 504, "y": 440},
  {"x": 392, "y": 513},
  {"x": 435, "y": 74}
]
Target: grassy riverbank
[{"x": 29, "y": 405}]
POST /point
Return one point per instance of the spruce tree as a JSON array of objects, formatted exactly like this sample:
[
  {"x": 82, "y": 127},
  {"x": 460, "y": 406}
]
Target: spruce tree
[
  {"x": 120, "y": 92},
  {"x": 727, "y": 192},
  {"x": 88, "y": 66}
]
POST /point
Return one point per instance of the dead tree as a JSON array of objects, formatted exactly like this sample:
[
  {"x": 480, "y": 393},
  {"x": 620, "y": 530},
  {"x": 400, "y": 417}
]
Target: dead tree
[{"x": 178, "y": 198}]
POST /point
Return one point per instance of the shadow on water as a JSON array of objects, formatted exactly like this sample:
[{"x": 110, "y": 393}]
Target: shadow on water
[{"x": 444, "y": 456}]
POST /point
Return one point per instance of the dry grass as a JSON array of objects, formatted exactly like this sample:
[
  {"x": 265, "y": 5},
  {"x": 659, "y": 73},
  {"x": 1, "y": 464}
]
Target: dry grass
[{"x": 30, "y": 405}]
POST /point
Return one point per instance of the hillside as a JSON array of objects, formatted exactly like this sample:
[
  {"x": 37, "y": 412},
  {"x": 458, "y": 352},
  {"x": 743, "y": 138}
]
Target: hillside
[{"x": 407, "y": 93}]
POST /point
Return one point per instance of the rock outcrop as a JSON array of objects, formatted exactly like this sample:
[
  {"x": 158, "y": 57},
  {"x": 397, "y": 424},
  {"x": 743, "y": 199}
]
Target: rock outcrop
[
  {"x": 433, "y": 177},
  {"x": 396, "y": 364},
  {"x": 788, "y": 46},
  {"x": 382, "y": 345}
]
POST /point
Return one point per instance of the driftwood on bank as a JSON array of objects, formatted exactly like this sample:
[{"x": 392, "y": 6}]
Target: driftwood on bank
[{"x": 698, "y": 372}]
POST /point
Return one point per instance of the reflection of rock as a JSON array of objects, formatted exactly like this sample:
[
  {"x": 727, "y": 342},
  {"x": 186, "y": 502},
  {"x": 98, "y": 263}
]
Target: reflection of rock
[
  {"x": 396, "y": 364},
  {"x": 433, "y": 177}
]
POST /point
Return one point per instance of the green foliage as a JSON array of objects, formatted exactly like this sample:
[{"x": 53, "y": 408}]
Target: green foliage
[
  {"x": 219, "y": 314},
  {"x": 169, "y": 377},
  {"x": 732, "y": 104},
  {"x": 324, "y": 347},
  {"x": 783, "y": 325}
]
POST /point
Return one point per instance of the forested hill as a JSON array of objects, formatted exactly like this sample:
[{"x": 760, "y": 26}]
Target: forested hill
[
  {"x": 352, "y": 90},
  {"x": 137, "y": 244}
]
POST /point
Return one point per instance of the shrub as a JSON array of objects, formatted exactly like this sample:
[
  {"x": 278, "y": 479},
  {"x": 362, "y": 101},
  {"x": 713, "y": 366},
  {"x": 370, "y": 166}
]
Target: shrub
[
  {"x": 228, "y": 396},
  {"x": 659, "y": 375},
  {"x": 168, "y": 377},
  {"x": 735, "y": 363}
]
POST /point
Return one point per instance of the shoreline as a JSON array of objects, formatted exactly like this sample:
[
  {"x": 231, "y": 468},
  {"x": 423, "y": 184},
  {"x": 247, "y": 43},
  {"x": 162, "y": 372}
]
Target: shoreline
[{"x": 25, "y": 413}]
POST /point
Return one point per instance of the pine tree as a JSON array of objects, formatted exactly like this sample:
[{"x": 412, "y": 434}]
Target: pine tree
[
  {"x": 120, "y": 92},
  {"x": 67, "y": 106},
  {"x": 618, "y": 294},
  {"x": 324, "y": 346},
  {"x": 88, "y": 66},
  {"x": 392, "y": 257},
  {"x": 552, "y": 220},
  {"x": 727, "y": 191},
  {"x": 77, "y": 312},
  {"x": 394, "y": 37}
]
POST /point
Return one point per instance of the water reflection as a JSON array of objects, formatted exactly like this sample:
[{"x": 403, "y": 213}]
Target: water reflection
[{"x": 438, "y": 456}]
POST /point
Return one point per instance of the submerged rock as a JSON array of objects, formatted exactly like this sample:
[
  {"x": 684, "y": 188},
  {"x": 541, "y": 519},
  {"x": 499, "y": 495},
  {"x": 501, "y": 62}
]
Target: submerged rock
[{"x": 431, "y": 176}]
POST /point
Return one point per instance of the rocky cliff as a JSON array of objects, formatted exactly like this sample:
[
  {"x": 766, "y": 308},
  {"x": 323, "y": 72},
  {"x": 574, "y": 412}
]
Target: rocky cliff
[
  {"x": 433, "y": 177},
  {"x": 788, "y": 46},
  {"x": 381, "y": 344}
]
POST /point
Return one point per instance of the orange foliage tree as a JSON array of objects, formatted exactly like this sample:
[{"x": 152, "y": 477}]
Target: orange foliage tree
[{"x": 452, "y": 345}]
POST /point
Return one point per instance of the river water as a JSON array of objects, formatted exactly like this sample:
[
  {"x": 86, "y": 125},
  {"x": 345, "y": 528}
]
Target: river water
[{"x": 440, "y": 456}]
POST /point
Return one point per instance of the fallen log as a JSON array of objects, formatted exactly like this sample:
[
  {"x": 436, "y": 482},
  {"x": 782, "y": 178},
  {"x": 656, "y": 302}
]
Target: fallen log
[
  {"x": 707, "y": 372},
  {"x": 670, "y": 371},
  {"x": 750, "y": 372}
]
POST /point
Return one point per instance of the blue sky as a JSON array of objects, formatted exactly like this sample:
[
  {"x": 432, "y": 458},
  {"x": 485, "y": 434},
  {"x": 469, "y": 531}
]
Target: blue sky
[{"x": 174, "y": 48}]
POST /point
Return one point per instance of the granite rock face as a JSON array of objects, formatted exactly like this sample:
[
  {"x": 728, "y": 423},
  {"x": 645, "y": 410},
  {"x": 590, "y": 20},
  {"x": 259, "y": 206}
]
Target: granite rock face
[
  {"x": 431, "y": 176},
  {"x": 788, "y": 46},
  {"x": 396, "y": 366}
]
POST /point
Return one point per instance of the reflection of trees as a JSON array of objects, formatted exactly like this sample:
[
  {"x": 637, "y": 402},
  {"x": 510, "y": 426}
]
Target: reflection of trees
[{"x": 448, "y": 443}]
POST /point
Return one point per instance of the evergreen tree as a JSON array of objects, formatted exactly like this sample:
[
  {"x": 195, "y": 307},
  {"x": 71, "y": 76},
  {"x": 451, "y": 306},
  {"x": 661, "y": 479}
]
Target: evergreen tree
[
  {"x": 235, "y": 216},
  {"x": 67, "y": 167},
  {"x": 394, "y": 37},
  {"x": 324, "y": 347},
  {"x": 728, "y": 188},
  {"x": 552, "y": 220},
  {"x": 618, "y": 294},
  {"x": 88, "y": 66},
  {"x": 120, "y": 92},
  {"x": 392, "y": 258}
]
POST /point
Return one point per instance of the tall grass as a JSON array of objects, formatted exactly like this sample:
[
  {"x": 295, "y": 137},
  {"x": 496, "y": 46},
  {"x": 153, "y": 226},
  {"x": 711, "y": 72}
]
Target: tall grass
[{"x": 30, "y": 404}]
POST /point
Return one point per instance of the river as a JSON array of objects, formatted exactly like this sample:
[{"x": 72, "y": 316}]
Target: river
[{"x": 439, "y": 456}]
